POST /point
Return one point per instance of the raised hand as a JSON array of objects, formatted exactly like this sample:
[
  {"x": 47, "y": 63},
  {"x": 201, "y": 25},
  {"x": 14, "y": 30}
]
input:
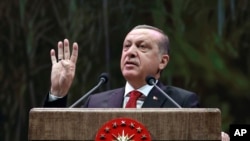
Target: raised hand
[{"x": 63, "y": 68}]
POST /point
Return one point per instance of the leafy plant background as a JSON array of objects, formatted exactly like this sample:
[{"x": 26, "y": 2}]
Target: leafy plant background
[{"x": 210, "y": 51}]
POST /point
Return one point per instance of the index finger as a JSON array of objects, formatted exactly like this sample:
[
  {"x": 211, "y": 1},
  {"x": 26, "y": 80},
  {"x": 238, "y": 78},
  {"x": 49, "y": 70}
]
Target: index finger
[
  {"x": 53, "y": 56},
  {"x": 74, "y": 54}
]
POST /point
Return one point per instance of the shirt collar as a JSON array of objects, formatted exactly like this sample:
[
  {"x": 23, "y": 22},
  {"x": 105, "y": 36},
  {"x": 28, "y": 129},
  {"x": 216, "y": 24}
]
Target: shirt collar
[{"x": 144, "y": 89}]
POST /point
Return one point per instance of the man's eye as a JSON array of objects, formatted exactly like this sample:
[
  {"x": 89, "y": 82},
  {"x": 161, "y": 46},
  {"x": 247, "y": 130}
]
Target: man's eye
[
  {"x": 126, "y": 46},
  {"x": 141, "y": 46}
]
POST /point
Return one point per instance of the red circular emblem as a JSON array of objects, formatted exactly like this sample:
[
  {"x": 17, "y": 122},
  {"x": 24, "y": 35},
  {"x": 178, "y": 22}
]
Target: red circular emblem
[{"x": 123, "y": 129}]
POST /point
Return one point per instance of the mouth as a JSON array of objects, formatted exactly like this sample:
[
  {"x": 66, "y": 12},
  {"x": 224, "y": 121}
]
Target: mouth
[{"x": 131, "y": 63}]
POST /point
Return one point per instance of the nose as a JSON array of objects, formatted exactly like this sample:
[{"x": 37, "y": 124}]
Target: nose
[{"x": 132, "y": 51}]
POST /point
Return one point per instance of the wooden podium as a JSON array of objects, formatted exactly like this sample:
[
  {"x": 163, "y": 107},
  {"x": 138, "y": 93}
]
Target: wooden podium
[{"x": 82, "y": 124}]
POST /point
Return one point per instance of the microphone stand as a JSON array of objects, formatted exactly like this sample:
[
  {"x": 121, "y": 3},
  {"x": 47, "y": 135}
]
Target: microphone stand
[{"x": 87, "y": 94}]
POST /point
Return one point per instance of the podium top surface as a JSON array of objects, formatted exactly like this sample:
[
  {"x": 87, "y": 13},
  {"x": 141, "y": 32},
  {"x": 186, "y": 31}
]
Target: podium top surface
[{"x": 146, "y": 110}]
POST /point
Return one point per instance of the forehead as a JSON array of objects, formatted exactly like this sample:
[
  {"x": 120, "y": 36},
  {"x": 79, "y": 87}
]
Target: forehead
[{"x": 143, "y": 35}]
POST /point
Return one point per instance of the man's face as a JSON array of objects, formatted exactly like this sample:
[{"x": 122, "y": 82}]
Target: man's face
[{"x": 141, "y": 56}]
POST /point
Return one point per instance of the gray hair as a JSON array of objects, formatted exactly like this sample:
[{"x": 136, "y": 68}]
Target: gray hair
[{"x": 163, "y": 43}]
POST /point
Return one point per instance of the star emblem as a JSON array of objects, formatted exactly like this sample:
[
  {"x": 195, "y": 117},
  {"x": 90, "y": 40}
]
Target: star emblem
[
  {"x": 107, "y": 129},
  {"x": 114, "y": 125},
  {"x": 139, "y": 129},
  {"x": 123, "y": 123},
  {"x": 132, "y": 125}
]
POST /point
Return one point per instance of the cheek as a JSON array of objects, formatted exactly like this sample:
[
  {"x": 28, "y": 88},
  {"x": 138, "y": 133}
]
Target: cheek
[
  {"x": 122, "y": 60},
  {"x": 152, "y": 63}
]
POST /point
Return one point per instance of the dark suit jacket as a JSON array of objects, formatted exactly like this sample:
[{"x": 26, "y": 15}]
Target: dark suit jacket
[{"x": 155, "y": 99}]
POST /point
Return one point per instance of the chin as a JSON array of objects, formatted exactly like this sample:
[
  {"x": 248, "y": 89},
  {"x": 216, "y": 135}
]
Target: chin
[{"x": 130, "y": 74}]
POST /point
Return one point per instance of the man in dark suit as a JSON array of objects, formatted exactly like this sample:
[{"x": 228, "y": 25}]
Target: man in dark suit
[{"x": 145, "y": 52}]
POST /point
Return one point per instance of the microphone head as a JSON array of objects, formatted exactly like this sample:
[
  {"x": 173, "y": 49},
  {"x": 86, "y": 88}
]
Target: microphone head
[
  {"x": 150, "y": 80},
  {"x": 104, "y": 77}
]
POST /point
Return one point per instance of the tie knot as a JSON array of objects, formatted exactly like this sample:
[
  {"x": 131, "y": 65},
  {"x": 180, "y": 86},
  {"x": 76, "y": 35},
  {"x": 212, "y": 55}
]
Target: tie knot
[
  {"x": 133, "y": 97},
  {"x": 135, "y": 94}
]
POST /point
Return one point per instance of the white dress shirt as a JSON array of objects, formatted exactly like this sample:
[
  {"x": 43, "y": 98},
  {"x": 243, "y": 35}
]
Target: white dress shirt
[{"x": 144, "y": 90}]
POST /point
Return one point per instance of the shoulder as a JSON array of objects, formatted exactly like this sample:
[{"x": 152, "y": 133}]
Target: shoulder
[
  {"x": 108, "y": 92},
  {"x": 177, "y": 90},
  {"x": 174, "y": 90},
  {"x": 107, "y": 99},
  {"x": 184, "y": 97}
]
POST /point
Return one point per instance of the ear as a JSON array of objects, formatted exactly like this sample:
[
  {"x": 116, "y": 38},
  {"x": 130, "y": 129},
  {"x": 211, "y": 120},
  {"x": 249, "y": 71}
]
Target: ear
[{"x": 164, "y": 61}]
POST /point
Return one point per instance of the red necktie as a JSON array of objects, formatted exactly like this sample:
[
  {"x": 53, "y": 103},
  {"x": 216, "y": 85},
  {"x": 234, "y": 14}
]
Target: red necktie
[{"x": 134, "y": 95}]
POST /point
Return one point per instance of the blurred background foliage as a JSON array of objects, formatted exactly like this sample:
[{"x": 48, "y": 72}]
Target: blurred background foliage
[{"x": 210, "y": 51}]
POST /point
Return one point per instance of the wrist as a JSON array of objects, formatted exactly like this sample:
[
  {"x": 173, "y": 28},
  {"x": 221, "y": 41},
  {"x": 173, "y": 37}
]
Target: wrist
[
  {"x": 53, "y": 97},
  {"x": 56, "y": 93}
]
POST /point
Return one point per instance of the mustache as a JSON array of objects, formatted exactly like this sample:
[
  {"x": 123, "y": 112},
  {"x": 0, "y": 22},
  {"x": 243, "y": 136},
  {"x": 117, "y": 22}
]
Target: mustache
[{"x": 132, "y": 61}]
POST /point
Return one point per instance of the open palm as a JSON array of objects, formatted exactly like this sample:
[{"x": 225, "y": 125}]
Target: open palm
[{"x": 63, "y": 68}]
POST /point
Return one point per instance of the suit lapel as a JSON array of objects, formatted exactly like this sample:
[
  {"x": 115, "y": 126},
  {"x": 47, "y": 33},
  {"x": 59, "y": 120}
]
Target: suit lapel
[
  {"x": 154, "y": 99},
  {"x": 116, "y": 98}
]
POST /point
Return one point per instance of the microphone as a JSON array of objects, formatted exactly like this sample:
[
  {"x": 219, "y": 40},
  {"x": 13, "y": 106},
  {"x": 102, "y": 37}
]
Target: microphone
[
  {"x": 103, "y": 78},
  {"x": 151, "y": 81}
]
